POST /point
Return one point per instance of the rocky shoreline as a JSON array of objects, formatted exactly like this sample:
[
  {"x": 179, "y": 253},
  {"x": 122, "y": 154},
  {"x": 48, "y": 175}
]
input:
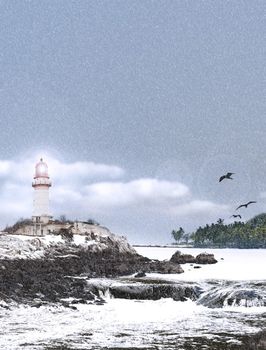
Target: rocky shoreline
[
  {"x": 65, "y": 273},
  {"x": 52, "y": 278},
  {"x": 57, "y": 271}
]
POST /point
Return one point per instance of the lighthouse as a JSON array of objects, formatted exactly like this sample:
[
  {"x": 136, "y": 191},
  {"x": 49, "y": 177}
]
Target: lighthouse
[{"x": 41, "y": 184}]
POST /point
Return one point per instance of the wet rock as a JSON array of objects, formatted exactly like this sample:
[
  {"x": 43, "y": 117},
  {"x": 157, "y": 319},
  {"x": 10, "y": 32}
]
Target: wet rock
[
  {"x": 180, "y": 258},
  {"x": 140, "y": 274},
  {"x": 37, "y": 305},
  {"x": 79, "y": 301},
  {"x": 164, "y": 267},
  {"x": 205, "y": 258},
  {"x": 154, "y": 291},
  {"x": 218, "y": 297},
  {"x": 4, "y": 305},
  {"x": 257, "y": 341},
  {"x": 58, "y": 275},
  {"x": 59, "y": 270},
  {"x": 245, "y": 298},
  {"x": 99, "y": 302}
]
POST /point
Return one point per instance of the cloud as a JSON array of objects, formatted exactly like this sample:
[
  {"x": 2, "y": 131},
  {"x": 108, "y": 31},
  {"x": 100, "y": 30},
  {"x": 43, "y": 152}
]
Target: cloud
[
  {"x": 22, "y": 170},
  {"x": 5, "y": 167},
  {"x": 145, "y": 196},
  {"x": 146, "y": 190},
  {"x": 67, "y": 178},
  {"x": 78, "y": 171},
  {"x": 87, "y": 189},
  {"x": 16, "y": 202},
  {"x": 198, "y": 207}
]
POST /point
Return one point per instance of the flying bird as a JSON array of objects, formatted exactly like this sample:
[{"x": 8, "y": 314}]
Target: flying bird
[
  {"x": 227, "y": 176},
  {"x": 236, "y": 216},
  {"x": 245, "y": 205}
]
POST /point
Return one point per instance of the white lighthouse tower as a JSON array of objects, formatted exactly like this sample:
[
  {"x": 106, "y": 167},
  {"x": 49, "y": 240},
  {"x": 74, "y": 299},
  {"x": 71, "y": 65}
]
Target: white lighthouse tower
[{"x": 41, "y": 184}]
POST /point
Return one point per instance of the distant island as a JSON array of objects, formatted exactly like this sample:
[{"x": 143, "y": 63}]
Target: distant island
[{"x": 250, "y": 234}]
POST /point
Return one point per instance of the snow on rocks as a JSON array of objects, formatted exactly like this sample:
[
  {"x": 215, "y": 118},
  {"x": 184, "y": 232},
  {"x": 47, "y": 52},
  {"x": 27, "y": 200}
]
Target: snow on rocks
[
  {"x": 12, "y": 247},
  {"x": 30, "y": 247},
  {"x": 49, "y": 265}
]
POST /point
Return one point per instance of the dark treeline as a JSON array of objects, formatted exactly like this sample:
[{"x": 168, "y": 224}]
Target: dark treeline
[{"x": 251, "y": 234}]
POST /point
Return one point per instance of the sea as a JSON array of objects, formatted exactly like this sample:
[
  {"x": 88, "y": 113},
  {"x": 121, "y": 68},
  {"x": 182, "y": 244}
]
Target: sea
[{"x": 232, "y": 305}]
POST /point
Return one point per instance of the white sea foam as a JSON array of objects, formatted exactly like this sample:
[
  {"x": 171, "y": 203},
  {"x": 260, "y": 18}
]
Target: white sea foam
[
  {"x": 117, "y": 323},
  {"x": 163, "y": 324}
]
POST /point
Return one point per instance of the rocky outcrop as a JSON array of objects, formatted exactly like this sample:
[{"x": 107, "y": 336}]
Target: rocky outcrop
[
  {"x": 203, "y": 258},
  {"x": 26, "y": 247},
  {"x": 154, "y": 291},
  {"x": 12, "y": 247},
  {"x": 35, "y": 269},
  {"x": 224, "y": 294},
  {"x": 140, "y": 274},
  {"x": 144, "y": 288},
  {"x": 180, "y": 258},
  {"x": 257, "y": 341}
]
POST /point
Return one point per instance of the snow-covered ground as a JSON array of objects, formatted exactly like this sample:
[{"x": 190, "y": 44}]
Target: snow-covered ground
[
  {"x": 14, "y": 247},
  {"x": 54, "y": 239},
  {"x": 29, "y": 247}
]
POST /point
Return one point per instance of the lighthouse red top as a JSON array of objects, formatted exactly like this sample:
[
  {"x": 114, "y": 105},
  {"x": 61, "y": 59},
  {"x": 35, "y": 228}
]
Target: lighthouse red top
[{"x": 41, "y": 170}]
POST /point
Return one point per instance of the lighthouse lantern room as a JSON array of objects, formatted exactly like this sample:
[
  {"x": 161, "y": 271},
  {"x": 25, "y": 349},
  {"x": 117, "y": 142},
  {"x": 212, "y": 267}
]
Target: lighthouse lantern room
[{"x": 41, "y": 184}]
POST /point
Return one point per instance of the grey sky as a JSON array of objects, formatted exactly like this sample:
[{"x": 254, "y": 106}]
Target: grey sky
[{"x": 166, "y": 90}]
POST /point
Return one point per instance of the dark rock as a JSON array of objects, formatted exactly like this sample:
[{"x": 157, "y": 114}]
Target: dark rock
[
  {"x": 257, "y": 341},
  {"x": 205, "y": 258},
  {"x": 197, "y": 267},
  {"x": 180, "y": 258},
  {"x": 79, "y": 301},
  {"x": 4, "y": 306},
  {"x": 140, "y": 274},
  {"x": 178, "y": 292},
  {"x": 55, "y": 275},
  {"x": 241, "y": 297},
  {"x": 37, "y": 305},
  {"x": 164, "y": 267}
]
